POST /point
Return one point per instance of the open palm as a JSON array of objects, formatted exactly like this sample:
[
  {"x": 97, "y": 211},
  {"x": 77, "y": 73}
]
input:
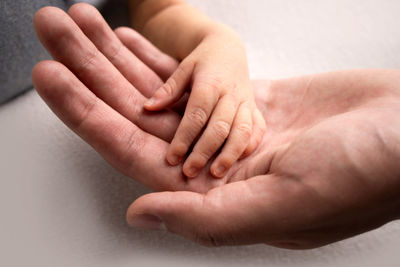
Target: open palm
[{"x": 325, "y": 170}]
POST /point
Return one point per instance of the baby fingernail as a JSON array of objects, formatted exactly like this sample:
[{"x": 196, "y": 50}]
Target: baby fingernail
[
  {"x": 192, "y": 172},
  {"x": 220, "y": 171},
  {"x": 174, "y": 159},
  {"x": 149, "y": 102},
  {"x": 147, "y": 222}
]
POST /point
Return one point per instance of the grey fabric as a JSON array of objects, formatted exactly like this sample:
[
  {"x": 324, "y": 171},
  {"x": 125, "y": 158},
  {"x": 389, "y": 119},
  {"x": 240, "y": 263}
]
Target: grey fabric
[{"x": 19, "y": 48}]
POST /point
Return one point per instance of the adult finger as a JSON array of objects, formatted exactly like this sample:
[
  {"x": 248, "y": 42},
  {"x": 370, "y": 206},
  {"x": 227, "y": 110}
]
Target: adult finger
[
  {"x": 136, "y": 58},
  {"x": 67, "y": 44},
  {"x": 119, "y": 141},
  {"x": 93, "y": 25},
  {"x": 159, "y": 62},
  {"x": 162, "y": 64}
]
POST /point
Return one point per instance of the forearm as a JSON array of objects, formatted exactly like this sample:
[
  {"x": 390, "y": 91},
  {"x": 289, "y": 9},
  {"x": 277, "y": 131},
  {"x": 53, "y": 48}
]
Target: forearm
[{"x": 172, "y": 25}]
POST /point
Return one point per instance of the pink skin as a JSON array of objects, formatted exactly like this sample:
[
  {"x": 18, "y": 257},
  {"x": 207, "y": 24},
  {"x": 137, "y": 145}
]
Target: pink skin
[
  {"x": 326, "y": 169},
  {"x": 220, "y": 111}
]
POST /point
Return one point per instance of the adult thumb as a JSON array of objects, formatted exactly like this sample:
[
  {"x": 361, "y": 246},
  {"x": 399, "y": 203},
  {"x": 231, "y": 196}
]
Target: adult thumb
[{"x": 227, "y": 215}]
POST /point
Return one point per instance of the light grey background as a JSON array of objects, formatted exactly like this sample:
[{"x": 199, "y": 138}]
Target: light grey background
[{"x": 62, "y": 205}]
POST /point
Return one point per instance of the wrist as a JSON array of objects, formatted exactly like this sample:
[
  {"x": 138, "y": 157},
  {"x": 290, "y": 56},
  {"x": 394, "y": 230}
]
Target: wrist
[
  {"x": 223, "y": 33},
  {"x": 226, "y": 45},
  {"x": 142, "y": 11},
  {"x": 174, "y": 26}
]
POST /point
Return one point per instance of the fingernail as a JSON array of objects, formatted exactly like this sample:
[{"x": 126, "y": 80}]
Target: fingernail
[
  {"x": 149, "y": 102},
  {"x": 219, "y": 171},
  {"x": 192, "y": 172},
  {"x": 174, "y": 159},
  {"x": 147, "y": 222}
]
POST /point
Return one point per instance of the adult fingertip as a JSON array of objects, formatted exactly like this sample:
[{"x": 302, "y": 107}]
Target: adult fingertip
[
  {"x": 44, "y": 12},
  {"x": 38, "y": 71},
  {"x": 45, "y": 17},
  {"x": 41, "y": 73}
]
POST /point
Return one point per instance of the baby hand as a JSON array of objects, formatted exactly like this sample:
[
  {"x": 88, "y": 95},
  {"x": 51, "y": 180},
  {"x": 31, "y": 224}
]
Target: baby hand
[{"x": 221, "y": 110}]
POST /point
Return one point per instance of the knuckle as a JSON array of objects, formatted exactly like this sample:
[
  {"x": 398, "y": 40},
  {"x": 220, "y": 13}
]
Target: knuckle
[
  {"x": 232, "y": 152},
  {"x": 134, "y": 143},
  {"x": 113, "y": 51},
  {"x": 213, "y": 81},
  {"x": 230, "y": 100},
  {"x": 132, "y": 101},
  {"x": 202, "y": 155},
  {"x": 244, "y": 129},
  {"x": 180, "y": 72},
  {"x": 216, "y": 84},
  {"x": 221, "y": 129},
  {"x": 169, "y": 87},
  {"x": 87, "y": 61},
  {"x": 92, "y": 23},
  {"x": 198, "y": 117},
  {"x": 212, "y": 84},
  {"x": 88, "y": 109}
]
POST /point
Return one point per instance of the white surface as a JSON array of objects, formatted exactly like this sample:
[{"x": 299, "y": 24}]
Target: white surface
[{"x": 62, "y": 205}]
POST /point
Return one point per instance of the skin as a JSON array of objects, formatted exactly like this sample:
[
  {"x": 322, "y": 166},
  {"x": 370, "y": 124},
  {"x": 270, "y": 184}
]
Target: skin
[
  {"x": 326, "y": 169},
  {"x": 220, "y": 110}
]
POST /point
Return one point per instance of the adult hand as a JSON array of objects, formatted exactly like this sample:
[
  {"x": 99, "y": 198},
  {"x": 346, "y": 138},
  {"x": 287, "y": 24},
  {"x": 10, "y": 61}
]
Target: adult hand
[
  {"x": 326, "y": 168},
  {"x": 98, "y": 88}
]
